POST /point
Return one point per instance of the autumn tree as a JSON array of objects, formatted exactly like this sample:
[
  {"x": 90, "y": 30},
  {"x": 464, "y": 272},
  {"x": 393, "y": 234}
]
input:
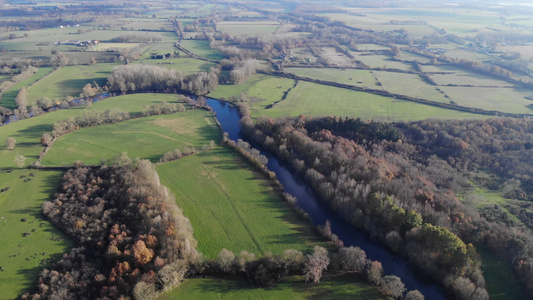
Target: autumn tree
[
  {"x": 141, "y": 253},
  {"x": 316, "y": 264},
  {"x": 10, "y": 143},
  {"x": 374, "y": 273}
]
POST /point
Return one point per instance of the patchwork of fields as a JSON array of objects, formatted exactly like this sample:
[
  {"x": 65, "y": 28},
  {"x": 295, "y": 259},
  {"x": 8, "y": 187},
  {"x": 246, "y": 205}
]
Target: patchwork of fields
[{"x": 228, "y": 202}]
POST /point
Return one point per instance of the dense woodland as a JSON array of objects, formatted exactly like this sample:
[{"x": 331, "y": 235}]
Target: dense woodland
[
  {"x": 390, "y": 184},
  {"x": 132, "y": 239}
]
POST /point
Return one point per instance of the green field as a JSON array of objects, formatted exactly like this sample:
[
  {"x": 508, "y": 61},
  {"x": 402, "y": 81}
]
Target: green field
[
  {"x": 113, "y": 46},
  {"x": 8, "y": 98},
  {"x": 21, "y": 256},
  {"x": 27, "y": 132},
  {"x": 381, "y": 61},
  {"x": 147, "y": 138},
  {"x": 345, "y": 76},
  {"x": 457, "y": 76},
  {"x": 500, "y": 99},
  {"x": 252, "y": 28},
  {"x": 68, "y": 81},
  {"x": 200, "y": 48},
  {"x": 186, "y": 65},
  {"x": 268, "y": 88},
  {"x": 232, "y": 206},
  {"x": 318, "y": 100},
  {"x": 347, "y": 286},
  {"x": 409, "y": 85}
]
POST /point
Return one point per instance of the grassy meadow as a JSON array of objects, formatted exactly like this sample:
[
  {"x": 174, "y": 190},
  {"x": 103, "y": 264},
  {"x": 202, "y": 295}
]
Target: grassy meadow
[
  {"x": 261, "y": 90},
  {"x": 25, "y": 234},
  {"x": 147, "y": 138},
  {"x": 186, "y": 65},
  {"x": 236, "y": 28},
  {"x": 409, "y": 85},
  {"x": 364, "y": 78},
  {"x": 500, "y": 99},
  {"x": 347, "y": 286},
  {"x": 200, "y": 48},
  {"x": 318, "y": 100},
  {"x": 381, "y": 61},
  {"x": 28, "y": 132},
  {"x": 8, "y": 98},
  {"x": 68, "y": 81},
  {"x": 232, "y": 206}
]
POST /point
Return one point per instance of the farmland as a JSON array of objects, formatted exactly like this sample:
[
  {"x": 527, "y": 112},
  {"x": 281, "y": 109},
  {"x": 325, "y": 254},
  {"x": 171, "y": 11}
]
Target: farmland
[
  {"x": 261, "y": 89},
  {"x": 68, "y": 81},
  {"x": 194, "y": 128},
  {"x": 373, "y": 61},
  {"x": 29, "y": 241},
  {"x": 363, "y": 78},
  {"x": 28, "y": 132},
  {"x": 8, "y": 98},
  {"x": 240, "y": 210},
  {"x": 248, "y": 28},
  {"x": 316, "y": 100}
]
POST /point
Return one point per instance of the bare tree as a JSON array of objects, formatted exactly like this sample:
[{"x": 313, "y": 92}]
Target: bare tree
[
  {"x": 225, "y": 259},
  {"x": 46, "y": 139},
  {"x": 414, "y": 295},
  {"x": 352, "y": 259},
  {"x": 393, "y": 286},
  {"x": 10, "y": 143},
  {"x": 21, "y": 100},
  {"x": 316, "y": 264},
  {"x": 20, "y": 160}
]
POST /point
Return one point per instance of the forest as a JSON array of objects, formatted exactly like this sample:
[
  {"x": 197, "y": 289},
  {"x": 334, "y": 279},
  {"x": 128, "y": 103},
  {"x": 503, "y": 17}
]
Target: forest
[
  {"x": 401, "y": 183},
  {"x": 132, "y": 238}
]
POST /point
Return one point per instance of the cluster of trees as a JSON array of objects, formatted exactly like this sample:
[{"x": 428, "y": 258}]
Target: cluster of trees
[
  {"x": 148, "y": 77},
  {"x": 132, "y": 238},
  {"x": 90, "y": 90},
  {"x": 162, "y": 108},
  {"x": 242, "y": 70},
  {"x": 377, "y": 184},
  {"x": 89, "y": 119}
]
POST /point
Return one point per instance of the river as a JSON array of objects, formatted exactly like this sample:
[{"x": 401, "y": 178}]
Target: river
[{"x": 413, "y": 278}]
